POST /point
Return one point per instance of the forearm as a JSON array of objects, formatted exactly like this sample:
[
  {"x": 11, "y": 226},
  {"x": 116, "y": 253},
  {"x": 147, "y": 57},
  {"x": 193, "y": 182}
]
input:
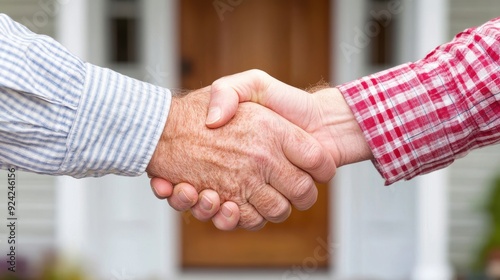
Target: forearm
[
  {"x": 61, "y": 116},
  {"x": 419, "y": 117}
]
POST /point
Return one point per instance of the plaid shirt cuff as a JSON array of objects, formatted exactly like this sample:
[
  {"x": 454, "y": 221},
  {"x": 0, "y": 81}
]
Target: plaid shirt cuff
[
  {"x": 400, "y": 122},
  {"x": 419, "y": 117}
]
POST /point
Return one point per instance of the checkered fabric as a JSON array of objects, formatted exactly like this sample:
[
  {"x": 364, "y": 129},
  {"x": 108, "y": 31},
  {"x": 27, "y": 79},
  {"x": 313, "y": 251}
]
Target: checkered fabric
[{"x": 421, "y": 116}]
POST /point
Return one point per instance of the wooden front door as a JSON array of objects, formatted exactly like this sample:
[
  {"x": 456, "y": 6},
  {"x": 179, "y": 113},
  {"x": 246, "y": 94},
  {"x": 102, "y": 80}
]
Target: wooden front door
[{"x": 289, "y": 39}]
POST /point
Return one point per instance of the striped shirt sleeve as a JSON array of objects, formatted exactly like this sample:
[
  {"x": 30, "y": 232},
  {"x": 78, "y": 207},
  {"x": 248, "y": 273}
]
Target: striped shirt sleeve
[
  {"x": 421, "y": 116},
  {"x": 62, "y": 116}
]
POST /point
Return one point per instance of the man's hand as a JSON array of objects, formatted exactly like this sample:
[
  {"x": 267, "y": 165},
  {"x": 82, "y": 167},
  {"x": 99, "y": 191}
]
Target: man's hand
[
  {"x": 324, "y": 114},
  {"x": 255, "y": 161}
]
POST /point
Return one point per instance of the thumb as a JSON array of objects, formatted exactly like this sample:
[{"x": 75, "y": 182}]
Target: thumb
[
  {"x": 228, "y": 91},
  {"x": 223, "y": 105},
  {"x": 259, "y": 87}
]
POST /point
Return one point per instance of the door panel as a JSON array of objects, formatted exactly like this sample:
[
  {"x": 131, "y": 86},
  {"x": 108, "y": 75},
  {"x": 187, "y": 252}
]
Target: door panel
[{"x": 289, "y": 40}]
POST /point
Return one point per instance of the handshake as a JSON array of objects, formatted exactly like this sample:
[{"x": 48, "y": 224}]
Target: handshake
[{"x": 246, "y": 164}]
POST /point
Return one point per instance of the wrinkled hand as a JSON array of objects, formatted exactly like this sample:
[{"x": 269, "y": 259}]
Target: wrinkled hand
[
  {"x": 256, "y": 161},
  {"x": 324, "y": 114}
]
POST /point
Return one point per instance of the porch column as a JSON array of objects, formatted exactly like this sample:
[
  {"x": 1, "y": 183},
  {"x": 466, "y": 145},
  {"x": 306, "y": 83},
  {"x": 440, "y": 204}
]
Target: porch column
[
  {"x": 431, "y": 262},
  {"x": 161, "y": 68},
  {"x": 71, "y": 215}
]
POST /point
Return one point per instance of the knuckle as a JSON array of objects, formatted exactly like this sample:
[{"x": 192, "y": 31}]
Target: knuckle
[
  {"x": 250, "y": 219},
  {"x": 219, "y": 85},
  {"x": 261, "y": 74},
  {"x": 279, "y": 212},
  {"x": 313, "y": 157},
  {"x": 258, "y": 226},
  {"x": 318, "y": 163},
  {"x": 270, "y": 204},
  {"x": 303, "y": 194},
  {"x": 252, "y": 225}
]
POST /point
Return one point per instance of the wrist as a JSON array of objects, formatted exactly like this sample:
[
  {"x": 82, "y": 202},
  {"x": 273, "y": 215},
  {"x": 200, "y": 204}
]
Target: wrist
[
  {"x": 157, "y": 165},
  {"x": 183, "y": 128},
  {"x": 347, "y": 142}
]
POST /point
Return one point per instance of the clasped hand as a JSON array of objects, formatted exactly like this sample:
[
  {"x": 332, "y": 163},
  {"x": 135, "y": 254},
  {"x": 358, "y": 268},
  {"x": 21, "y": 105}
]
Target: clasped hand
[{"x": 246, "y": 165}]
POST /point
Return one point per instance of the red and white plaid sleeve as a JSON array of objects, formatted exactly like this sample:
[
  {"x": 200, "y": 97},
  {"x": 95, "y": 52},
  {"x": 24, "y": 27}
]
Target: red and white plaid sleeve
[{"x": 419, "y": 117}]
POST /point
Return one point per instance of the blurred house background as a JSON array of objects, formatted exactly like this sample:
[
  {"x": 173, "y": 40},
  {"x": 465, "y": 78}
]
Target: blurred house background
[{"x": 114, "y": 228}]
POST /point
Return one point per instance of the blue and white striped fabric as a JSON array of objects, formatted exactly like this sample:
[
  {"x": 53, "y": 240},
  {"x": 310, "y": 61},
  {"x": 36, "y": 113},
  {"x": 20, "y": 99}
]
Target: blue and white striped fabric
[{"x": 62, "y": 116}]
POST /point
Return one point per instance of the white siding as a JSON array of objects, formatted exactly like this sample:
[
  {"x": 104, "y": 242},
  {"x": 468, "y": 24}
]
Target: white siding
[
  {"x": 35, "y": 211},
  {"x": 35, "y": 194},
  {"x": 471, "y": 176}
]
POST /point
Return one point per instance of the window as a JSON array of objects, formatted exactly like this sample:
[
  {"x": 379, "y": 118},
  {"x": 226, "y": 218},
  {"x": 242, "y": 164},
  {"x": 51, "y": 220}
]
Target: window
[{"x": 124, "y": 31}]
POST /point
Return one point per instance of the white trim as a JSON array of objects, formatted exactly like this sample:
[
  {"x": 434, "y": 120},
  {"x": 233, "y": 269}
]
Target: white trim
[
  {"x": 432, "y": 220},
  {"x": 159, "y": 55},
  {"x": 432, "y": 224},
  {"x": 72, "y": 26},
  {"x": 431, "y": 22},
  {"x": 345, "y": 15},
  {"x": 71, "y": 217}
]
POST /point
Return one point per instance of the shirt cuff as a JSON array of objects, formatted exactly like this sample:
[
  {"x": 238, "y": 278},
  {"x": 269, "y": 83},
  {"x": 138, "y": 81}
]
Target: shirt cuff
[
  {"x": 118, "y": 125},
  {"x": 399, "y": 119}
]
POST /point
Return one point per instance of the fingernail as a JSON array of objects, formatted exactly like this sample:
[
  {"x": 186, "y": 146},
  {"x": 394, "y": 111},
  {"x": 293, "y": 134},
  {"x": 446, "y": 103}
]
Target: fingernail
[
  {"x": 226, "y": 211},
  {"x": 214, "y": 114},
  {"x": 206, "y": 204},
  {"x": 184, "y": 198}
]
